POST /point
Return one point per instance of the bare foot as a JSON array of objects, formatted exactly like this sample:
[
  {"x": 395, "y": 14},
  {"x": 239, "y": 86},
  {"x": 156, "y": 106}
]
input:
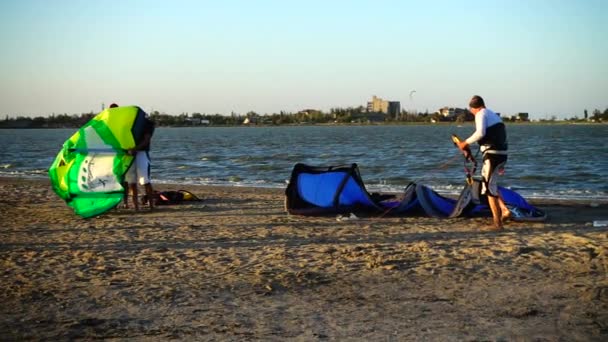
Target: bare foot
[
  {"x": 491, "y": 228},
  {"x": 497, "y": 226},
  {"x": 506, "y": 217}
]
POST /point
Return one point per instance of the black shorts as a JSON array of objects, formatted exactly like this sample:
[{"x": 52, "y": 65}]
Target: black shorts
[{"x": 493, "y": 165}]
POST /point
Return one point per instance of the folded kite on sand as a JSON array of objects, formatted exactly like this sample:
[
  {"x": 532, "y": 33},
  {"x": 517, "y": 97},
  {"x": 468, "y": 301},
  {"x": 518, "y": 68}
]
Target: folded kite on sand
[{"x": 339, "y": 189}]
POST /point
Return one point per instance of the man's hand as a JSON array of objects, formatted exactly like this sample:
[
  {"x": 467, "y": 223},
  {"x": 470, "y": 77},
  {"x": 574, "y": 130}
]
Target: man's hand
[
  {"x": 462, "y": 145},
  {"x": 131, "y": 151}
]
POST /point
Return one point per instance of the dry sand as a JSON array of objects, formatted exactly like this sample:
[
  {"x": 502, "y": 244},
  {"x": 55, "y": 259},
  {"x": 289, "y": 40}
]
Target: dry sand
[{"x": 237, "y": 267}]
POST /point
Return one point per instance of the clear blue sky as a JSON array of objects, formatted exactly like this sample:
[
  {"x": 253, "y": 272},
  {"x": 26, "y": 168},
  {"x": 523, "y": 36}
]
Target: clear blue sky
[{"x": 545, "y": 57}]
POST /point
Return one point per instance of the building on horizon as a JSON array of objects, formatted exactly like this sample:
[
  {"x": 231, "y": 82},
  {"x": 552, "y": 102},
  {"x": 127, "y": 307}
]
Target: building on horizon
[
  {"x": 394, "y": 109},
  {"x": 378, "y": 105},
  {"x": 451, "y": 112},
  {"x": 520, "y": 117}
]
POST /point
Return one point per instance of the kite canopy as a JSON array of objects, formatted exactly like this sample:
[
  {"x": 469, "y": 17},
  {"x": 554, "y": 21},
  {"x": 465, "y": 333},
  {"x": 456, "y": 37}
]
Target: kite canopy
[
  {"x": 339, "y": 189},
  {"x": 319, "y": 190},
  {"x": 88, "y": 172}
]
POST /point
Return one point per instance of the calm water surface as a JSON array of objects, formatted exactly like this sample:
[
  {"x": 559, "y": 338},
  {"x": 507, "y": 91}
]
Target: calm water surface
[{"x": 545, "y": 161}]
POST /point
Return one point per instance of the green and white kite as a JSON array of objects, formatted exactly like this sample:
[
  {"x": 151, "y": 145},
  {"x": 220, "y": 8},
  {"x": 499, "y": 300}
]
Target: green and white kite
[{"x": 88, "y": 172}]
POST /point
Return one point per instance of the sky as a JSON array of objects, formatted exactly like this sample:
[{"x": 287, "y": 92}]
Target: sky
[{"x": 545, "y": 57}]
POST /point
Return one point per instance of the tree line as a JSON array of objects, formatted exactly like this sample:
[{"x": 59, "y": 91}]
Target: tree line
[{"x": 350, "y": 115}]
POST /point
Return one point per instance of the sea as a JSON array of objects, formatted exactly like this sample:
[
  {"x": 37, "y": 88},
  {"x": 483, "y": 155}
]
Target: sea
[{"x": 552, "y": 161}]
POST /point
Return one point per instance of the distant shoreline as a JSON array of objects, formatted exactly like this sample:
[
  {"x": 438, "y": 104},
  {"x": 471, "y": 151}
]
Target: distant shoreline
[{"x": 468, "y": 123}]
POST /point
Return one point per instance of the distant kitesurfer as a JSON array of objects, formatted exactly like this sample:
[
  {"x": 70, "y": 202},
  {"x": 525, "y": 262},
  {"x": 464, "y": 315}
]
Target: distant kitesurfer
[{"x": 491, "y": 135}]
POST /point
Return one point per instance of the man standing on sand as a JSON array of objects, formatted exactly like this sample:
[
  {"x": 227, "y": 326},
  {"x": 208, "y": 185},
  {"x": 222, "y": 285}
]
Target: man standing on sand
[
  {"x": 491, "y": 135},
  {"x": 139, "y": 172}
]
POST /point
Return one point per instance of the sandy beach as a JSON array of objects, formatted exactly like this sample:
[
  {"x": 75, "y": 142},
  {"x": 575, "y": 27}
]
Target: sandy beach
[{"x": 237, "y": 267}]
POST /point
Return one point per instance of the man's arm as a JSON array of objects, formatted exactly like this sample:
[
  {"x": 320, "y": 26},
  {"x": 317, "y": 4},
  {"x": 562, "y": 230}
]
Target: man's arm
[
  {"x": 480, "y": 129},
  {"x": 145, "y": 142}
]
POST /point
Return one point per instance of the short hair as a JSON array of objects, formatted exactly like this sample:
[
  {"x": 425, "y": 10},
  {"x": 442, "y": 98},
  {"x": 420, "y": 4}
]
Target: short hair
[
  {"x": 113, "y": 105},
  {"x": 476, "y": 102}
]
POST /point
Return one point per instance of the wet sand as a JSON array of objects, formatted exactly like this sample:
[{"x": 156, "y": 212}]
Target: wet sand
[{"x": 237, "y": 267}]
